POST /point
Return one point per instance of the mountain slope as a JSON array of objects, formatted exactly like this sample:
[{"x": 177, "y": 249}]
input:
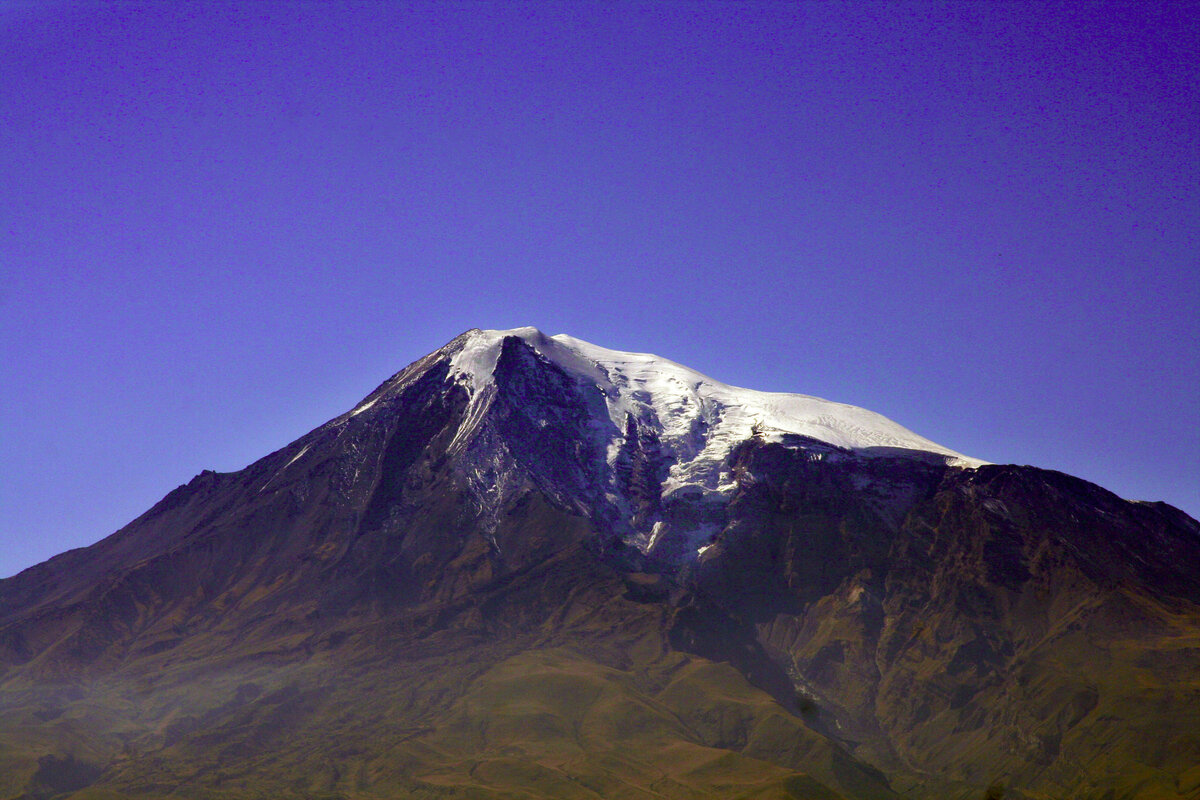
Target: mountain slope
[{"x": 526, "y": 566}]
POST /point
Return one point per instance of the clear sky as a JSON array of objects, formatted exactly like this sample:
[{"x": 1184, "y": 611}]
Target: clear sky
[{"x": 223, "y": 224}]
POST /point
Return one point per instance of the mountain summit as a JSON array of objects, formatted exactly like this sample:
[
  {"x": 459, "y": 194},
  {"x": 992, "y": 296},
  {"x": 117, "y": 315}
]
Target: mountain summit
[
  {"x": 697, "y": 418},
  {"x": 529, "y": 567},
  {"x": 642, "y": 442}
]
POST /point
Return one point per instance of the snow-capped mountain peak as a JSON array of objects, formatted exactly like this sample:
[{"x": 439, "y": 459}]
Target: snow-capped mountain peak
[
  {"x": 649, "y": 440},
  {"x": 676, "y": 400}
]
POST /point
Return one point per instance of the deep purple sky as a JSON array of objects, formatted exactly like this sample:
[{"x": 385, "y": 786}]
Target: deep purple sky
[{"x": 221, "y": 225}]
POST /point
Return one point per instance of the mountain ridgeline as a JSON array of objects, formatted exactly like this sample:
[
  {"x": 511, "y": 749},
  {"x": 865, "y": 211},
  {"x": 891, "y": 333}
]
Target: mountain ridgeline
[{"x": 529, "y": 567}]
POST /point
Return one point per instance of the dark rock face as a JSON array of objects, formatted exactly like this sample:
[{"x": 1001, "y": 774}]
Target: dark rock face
[{"x": 434, "y": 596}]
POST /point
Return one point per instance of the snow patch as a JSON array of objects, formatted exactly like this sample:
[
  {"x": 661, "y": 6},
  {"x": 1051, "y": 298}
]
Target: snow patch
[
  {"x": 705, "y": 418},
  {"x": 279, "y": 472},
  {"x": 360, "y": 409},
  {"x": 303, "y": 450}
]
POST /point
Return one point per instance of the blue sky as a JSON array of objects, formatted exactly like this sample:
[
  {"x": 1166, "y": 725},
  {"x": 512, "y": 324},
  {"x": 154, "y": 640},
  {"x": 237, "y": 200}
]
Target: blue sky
[{"x": 223, "y": 224}]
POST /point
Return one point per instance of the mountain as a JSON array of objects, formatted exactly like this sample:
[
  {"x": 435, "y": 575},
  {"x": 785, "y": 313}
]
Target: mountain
[{"x": 530, "y": 567}]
